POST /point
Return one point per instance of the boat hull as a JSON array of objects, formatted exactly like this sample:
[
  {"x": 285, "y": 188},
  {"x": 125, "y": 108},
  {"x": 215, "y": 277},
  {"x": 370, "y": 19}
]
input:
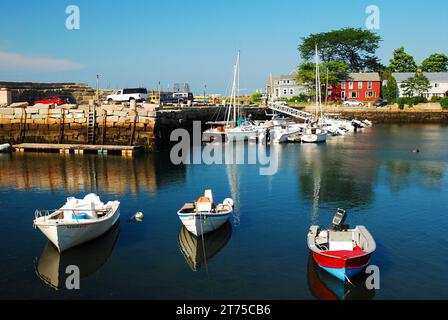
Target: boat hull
[
  {"x": 199, "y": 224},
  {"x": 241, "y": 135},
  {"x": 342, "y": 269},
  {"x": 68, "y": 235},
  {"x": 314, "y": 138}
]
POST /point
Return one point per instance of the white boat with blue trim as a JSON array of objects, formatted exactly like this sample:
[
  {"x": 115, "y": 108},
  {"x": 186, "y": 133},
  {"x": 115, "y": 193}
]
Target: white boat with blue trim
[
  {"x": 78, "y": 221},
  {"x": 203, "y": 216}
]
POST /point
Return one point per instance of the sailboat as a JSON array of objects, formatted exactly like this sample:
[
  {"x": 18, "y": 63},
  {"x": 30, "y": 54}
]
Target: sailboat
[
  {"x": 233, "y": 128},
  {"x": 315, "y": 132}
]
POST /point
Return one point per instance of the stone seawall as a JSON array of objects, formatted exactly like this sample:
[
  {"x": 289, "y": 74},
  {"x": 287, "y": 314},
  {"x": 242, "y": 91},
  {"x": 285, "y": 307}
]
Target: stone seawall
[
  {"x": 148, "y": 125},
  {"x": 396, "y": 116},
  {"x": 115, "y": 125}
]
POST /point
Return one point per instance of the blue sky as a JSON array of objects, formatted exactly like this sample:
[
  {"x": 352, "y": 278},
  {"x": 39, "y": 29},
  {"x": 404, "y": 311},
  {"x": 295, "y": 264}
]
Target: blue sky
[{"x": 136, "y": 42}]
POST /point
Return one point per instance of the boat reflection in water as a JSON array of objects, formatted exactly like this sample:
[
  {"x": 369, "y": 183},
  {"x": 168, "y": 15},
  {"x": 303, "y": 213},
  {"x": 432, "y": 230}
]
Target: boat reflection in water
[
  {"x": 89, "y": 257},
  {"x": 199, "y": 250},
  {"x": 324, "y": 286}
]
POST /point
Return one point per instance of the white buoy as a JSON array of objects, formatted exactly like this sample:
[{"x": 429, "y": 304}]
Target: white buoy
[{"x": 139, "y": 216}]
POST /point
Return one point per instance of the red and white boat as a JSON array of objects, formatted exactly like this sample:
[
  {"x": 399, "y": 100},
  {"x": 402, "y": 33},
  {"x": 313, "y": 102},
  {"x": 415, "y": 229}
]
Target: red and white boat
[{"x": 339, "y": 250}]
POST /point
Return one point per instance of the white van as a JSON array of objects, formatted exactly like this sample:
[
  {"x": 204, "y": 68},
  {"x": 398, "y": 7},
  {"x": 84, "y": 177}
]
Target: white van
[{"x": 124, "y": 95}]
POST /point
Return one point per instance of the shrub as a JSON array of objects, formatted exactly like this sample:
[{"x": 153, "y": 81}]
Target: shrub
[
  {"x": 300, "y": 98},
  {"x": 444, "y": 103},
  {"x": 401, "y": 102},
  {"x": 436, "y": 99},
  {"x": 417, "y": 100}
]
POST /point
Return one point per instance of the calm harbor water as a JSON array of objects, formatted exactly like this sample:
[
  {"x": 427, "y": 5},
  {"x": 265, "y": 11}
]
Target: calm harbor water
[{"x": 262, "y": 253}]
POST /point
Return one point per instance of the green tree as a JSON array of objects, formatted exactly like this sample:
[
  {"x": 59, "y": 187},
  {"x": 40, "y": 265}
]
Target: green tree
[
  {"x": 402, "y": 62},
  {"x": 256, "y": 97},
  {"x": 390, "y": 90},
  {"x": 416, "y": 85},
  {"x": 354, "y": 47},
  {"x": 437, "y": 62},
  {"x": 306, "y": 74}
]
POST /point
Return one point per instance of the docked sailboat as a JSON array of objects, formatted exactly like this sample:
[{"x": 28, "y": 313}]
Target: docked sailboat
[
  {"x": 78, "y": 221},
  {"x": 314, "y": 131},
  {"x": 233, "y": 128},
  {"x": 339, "y": 250},
  {"x": 204, "y": 215}
]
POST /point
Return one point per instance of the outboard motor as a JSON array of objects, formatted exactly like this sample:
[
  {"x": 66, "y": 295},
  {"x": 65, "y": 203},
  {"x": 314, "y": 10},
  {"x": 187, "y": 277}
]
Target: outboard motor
[{"x": 338, "y": 221}]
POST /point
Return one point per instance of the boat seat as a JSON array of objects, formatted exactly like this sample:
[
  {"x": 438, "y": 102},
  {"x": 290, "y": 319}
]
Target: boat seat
[
  {"x": 340, "y": 241},
  {"x": 188, "y": 206}
]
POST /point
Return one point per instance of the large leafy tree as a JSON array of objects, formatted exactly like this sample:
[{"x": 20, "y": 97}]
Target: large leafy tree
[
  {"x": 437, "y": 62},
  {"x": 334, "y": 71},
  {"x": 402, "y": 62},
  {"x": 354, "y": 47},
  {"x": 416, "y": 85}
]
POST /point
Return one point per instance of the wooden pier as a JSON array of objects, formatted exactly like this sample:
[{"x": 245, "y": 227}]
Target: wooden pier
[{"x": 76, "y": 148}]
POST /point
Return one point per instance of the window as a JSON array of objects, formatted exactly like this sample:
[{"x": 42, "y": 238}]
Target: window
[
  {"x": 436, "y": 85},
  {"x": 287, "y": 81},
  {"x": 343, "y": 95},
  {"x": 370, "y": 94},
  {"x": 350, "y": 85},
  {"x": 343, "y": 85},
  {"x": 291, "y": 91},
  {"x": 369, "y": 85},
  {"x": 359, "y": 84},
  {"x": 285, "y": 91},
  {"x": 353, "y": 95}
]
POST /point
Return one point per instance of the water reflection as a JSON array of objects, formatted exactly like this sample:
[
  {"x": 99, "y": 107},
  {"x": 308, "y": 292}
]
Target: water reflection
[
  {"x": 336, "y": 176},
  {"x": 197, "y": 250},
  {"x": 51, "y": 265},
  {"x": 323, "y": 286},
  {"x": 402, "y": 174},
  {"x": 81, "y": 173}
]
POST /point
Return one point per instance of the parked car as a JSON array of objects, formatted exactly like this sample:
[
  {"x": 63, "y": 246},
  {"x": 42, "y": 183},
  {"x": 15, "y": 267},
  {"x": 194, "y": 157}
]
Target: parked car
[
  {"x": 380, "y": 103},
  {"x": 55, "y": 101},
  {"x": 128, "y": 94},
  {"x": 353, "y": 103}
]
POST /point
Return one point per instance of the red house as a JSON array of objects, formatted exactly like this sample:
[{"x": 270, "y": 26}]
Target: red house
[{"x": 358, "y": 86}]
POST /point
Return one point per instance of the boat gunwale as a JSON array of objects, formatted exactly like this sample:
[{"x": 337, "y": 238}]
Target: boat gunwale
[
  {"x": 45, "y": 221},
  {"x": 361, "y": 228}
]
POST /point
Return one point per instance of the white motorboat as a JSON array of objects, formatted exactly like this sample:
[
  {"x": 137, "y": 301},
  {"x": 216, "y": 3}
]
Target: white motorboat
[
  {"x": 204, "y": 215},
  {"x": 283, "y": 134},
  {"x": 5, "y": 147},
  {"x": 78, "y": 221},
  {"x": 314, "y": 134}
]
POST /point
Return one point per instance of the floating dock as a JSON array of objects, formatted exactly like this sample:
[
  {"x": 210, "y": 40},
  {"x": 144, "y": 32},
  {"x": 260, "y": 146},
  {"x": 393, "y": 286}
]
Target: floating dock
[{"x": 76, "y": 148}]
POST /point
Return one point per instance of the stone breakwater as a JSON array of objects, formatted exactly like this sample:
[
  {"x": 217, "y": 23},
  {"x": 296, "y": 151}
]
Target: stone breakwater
[{"x": 147, "y": 125}]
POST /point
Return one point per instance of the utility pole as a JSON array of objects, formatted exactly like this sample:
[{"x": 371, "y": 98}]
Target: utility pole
[
  {"x": 205, "y": 87},
  {"x": 97, "y": 88},
  {"x": 158, "y": 88}
]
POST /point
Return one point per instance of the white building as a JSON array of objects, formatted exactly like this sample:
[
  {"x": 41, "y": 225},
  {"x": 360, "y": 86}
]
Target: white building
[
  {"x": 438, "y": 80},
  {"x": 285, "y": 86}
]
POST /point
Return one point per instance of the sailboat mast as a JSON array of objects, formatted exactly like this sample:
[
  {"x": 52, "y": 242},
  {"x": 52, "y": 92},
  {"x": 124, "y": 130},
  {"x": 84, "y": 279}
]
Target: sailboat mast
[{"x": 237, "y": 109}]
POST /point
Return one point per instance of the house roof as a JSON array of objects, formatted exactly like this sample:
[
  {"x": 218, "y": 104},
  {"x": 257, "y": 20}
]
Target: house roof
[
  {"x": 364, "y": 76},
  {"x": 432, "y": 76}
]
